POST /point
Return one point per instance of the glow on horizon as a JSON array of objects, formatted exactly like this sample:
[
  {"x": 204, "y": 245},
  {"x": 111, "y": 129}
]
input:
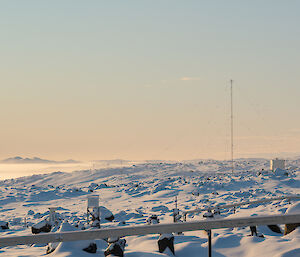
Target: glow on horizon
[{"x": 148, "y": 80}]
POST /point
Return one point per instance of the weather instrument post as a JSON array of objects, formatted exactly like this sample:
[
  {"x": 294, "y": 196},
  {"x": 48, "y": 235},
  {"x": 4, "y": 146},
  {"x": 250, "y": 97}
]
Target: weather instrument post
[
  {"x": 209, "y": 243},
  {"x": 93, "y": 203},
  {"x": 231, "y": 117}
]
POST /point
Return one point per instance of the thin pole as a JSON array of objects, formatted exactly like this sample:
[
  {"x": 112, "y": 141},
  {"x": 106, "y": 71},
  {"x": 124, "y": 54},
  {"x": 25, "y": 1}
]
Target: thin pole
[
  {"x": 209, "y": 243},
  {"x": 231, "y": 116},
  {"x": 175, "y": 210}
]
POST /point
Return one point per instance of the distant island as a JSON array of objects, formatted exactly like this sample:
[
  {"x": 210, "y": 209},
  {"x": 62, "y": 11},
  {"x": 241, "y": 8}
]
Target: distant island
[{"x": 19, "y": 159}]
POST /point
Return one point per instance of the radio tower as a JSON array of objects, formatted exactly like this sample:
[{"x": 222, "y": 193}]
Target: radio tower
[{"x": 231, "y": 117}]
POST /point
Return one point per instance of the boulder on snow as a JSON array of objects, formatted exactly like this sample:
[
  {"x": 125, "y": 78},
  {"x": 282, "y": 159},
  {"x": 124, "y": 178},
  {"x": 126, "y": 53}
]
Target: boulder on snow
[
  {"x": 116, "y": 247},
  {"x": 92, "y": 248},
  {"x": 217, "y": 211},
  {"x": 208, "y": 214},
  {"x": 30, "y": 212},
  {"x": 104, "y": 185},
  {"x": 275, "y": 229},
  {"x": 4, "y": 225},
  {"x": 42, "y": 226},
  {"x": 93, "y": 186},
  {"x": 288, "y": 228},
  {"x": 17, "y": 221},
  {"x": 166, "y": 241},
  {"x": 153, "y": 219},
  {"x": 281, "y": 172},
  {"x": 83, "y": 245},
  {"x": 106, "y": 214}
]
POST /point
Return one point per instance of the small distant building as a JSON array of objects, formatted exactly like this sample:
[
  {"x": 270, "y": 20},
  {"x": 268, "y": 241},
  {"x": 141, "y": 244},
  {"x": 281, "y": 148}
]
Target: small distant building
[{"x": 277, "y": 164}]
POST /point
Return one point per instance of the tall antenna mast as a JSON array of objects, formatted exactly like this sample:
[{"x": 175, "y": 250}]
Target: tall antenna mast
[{"x": 231, "y": 116}]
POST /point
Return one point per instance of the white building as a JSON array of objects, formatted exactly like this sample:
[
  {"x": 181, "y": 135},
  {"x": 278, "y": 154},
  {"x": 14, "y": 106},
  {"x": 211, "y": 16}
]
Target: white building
[{"x": 277, "y": 164}]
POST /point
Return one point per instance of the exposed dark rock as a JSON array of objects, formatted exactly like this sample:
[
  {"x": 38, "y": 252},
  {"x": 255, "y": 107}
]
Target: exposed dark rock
[
  {"x": 51, "y": 247},
  {"x": 43, "y": 226},
  {"x": 92, "y": 248},
  {"x": 275, "y": 228},
  {"x": 4, "y": 225},
  {"x": 165, "y": 242},
  {"x": 217, "y": 211},
  {"x": 106, "y": 214},
  {"x": 110, "y": 218},
  {"x": 116, "y": 247},
  {"x": 288, "y": 228},
  {"x": 153, "y": 220},
  {"x": 208, "y": 214}
]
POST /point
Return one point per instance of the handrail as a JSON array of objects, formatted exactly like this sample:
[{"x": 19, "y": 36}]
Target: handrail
[{"x": 146, "y": 229}]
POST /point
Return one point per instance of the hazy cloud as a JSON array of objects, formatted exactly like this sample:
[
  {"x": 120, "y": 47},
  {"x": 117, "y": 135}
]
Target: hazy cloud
[{"x": 189, "y": 79}]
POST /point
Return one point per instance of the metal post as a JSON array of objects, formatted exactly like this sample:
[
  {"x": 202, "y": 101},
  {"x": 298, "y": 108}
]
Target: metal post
[
  {"x": 209, "y": 243},
  {"x": 99, "y": 216},
  {"x": 231, "y": 117},
  {"x": 175, "y": 210},
  {"x": 87, "y": 215}
]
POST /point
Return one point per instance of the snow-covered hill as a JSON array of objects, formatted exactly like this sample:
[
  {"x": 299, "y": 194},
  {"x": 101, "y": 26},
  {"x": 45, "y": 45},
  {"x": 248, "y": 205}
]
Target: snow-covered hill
[
  {"x": 133, "y": 193},
  {"x": 19, "y": 159}
]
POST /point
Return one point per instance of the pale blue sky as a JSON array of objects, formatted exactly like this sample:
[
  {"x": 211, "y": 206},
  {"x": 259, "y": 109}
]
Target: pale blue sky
[{"x": 148, "y": 79}]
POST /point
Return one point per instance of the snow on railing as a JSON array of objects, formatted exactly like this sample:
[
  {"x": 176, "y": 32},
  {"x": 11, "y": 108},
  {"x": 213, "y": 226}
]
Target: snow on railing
[{"x": 146, "y": 229}]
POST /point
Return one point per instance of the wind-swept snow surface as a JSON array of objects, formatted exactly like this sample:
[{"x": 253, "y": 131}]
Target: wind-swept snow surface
[{"x": 135, "y": 193}]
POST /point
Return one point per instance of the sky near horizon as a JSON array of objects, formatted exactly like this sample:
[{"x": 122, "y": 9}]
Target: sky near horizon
[{"x": 149, "y": 79}]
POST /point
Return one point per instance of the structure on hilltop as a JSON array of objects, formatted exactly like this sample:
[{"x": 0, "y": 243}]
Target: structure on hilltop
[{"x": 277, "y": 164}]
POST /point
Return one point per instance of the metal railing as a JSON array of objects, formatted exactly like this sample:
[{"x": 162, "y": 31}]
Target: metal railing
[{"x": 207, "y": 225}]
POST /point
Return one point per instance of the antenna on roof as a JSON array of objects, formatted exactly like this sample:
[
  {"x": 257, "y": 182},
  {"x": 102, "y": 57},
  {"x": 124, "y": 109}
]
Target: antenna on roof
[{"x": 231, "y": 116}]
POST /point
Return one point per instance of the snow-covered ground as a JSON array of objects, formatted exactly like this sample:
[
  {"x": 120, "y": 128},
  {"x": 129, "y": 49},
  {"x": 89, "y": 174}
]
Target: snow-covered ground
[{"x": 133, "y": 193}]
